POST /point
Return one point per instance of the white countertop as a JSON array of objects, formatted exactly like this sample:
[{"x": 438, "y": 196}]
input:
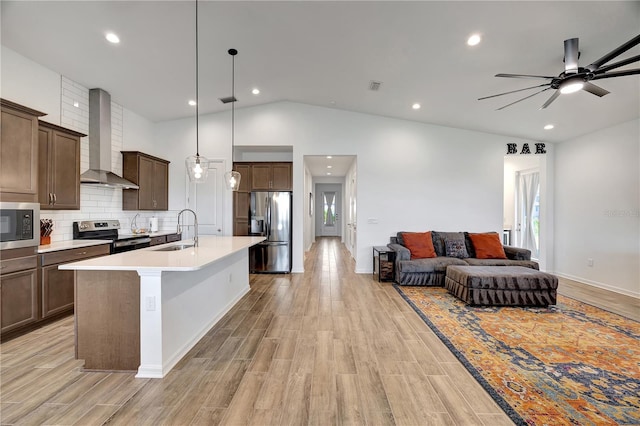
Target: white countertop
[
  {"x": 210, "y": 249},
  {"x": 70, "y": 244}
]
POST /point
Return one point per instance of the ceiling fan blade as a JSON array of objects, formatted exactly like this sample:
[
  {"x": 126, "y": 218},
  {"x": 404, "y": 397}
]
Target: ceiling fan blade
[
  {"x": 520, "y": 100},
  {"x": 617, "y": 64},
  {"x": 596, "y": 90},
  {"x": 616, "y": 74},
  {"x": 525, "y": 76},
  {"x": 551, "y": 99},
  {"x": 616, "y": 52},
  {"x": 514, "y": 91},
  {"x": 571, "y": 55}
]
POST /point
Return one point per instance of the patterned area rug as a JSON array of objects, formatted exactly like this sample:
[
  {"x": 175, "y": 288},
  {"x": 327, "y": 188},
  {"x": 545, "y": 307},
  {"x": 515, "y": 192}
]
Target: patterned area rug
[{"x": 569, "y": 364}]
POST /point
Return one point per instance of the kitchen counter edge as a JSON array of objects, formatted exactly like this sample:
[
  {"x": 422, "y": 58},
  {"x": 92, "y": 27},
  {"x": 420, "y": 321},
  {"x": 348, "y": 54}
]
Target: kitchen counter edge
[{"x": 70, "y": 244}]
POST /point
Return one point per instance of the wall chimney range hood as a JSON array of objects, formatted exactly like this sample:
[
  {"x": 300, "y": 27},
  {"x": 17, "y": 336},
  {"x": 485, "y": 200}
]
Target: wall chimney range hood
[{"x": 99, "y": 172}]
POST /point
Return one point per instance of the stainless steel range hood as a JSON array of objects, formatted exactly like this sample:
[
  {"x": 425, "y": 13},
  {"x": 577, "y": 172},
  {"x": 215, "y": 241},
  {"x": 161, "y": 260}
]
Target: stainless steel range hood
[{"x": 99, "y": 172}]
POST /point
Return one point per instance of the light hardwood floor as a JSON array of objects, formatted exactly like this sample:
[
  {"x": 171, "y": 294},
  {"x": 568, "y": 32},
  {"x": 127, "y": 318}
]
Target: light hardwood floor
[{"x": 325, "y": 347}]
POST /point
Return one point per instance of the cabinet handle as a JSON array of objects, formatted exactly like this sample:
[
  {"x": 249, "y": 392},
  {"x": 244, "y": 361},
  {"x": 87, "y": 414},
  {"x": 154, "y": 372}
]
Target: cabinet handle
[
  {"x": 50, "y": 198},
  {"x": 55, "y": 199}
]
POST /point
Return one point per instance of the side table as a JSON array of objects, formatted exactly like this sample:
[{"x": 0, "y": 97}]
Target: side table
[{"x": 384, "y": 260}]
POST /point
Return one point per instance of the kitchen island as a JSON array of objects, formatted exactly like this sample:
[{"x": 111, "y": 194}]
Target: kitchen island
[{"x": 145, "y": 309}]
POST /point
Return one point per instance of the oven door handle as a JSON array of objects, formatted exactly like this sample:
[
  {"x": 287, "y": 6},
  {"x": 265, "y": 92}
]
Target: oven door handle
[{"x": 132, "y": 242}]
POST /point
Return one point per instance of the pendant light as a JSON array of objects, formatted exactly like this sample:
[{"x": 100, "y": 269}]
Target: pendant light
[
  {"x": 197, "y": 166},
  {"x": 232, "y": 177}
]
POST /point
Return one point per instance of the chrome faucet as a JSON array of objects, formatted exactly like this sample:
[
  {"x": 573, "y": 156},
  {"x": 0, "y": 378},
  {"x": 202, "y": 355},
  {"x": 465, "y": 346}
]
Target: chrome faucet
[{"x": 195, "y": 223}]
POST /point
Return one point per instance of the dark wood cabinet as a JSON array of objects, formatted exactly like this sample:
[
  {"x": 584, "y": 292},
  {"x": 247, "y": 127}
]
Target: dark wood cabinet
[
  {"x": 18, "y": 153},
  {"x": 163, "y": 239},
  {"x": 281, "y": 177},
  {"x": 57, "y": 290},
  {"x": 18, "y": 289},
  {"x": 245, "y": 176},
  {"x": 265, "y": 176},
  {"x": 271, "y": 177},
  {"x": 57, "y": 285},
  {"x": 151, "y": 174},
  {"x": 241, "y": 206},
  {"x": 58, "y": 167}
]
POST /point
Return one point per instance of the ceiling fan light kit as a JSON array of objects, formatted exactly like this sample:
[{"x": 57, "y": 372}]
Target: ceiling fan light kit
[{"x": 574, "y": 78}]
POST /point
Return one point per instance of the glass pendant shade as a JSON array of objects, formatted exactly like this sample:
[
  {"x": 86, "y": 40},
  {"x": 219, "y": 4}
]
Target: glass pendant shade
[
  {"x": 232, "y": 180},
  {"x": 198, "y": 168}
]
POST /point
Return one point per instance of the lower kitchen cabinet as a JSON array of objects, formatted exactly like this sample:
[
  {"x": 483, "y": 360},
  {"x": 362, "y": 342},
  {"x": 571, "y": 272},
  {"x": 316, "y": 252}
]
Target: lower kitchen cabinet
[
  {"x": 19, "y": 294},
  {"x": 57, "y": 291},
  {"x": 19, "y": 300},
  {"x": 163, "y": 239},
  {"x": 33, "y": 291}
]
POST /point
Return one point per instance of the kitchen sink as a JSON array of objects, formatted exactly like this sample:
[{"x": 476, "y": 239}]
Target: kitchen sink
[{"x": 175, "y": 248}]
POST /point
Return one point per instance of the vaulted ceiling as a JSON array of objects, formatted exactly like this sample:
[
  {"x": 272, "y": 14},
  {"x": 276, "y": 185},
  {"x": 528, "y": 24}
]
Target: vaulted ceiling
[{"x": 327, "y": 53}]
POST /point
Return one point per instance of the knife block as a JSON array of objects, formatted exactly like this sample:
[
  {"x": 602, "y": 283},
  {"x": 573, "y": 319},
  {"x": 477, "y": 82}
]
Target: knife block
[{"x": 45, "y": 240}]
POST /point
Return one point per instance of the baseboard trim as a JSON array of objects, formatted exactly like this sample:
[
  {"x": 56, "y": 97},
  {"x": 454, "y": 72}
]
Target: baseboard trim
[{"x": 598, "y": 285}]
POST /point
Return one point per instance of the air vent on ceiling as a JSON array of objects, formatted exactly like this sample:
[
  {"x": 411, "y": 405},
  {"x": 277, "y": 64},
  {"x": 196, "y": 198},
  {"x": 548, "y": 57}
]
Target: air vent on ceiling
[
  {"x": 228, "y": 99},
  {"x": 375, "y": 85}
]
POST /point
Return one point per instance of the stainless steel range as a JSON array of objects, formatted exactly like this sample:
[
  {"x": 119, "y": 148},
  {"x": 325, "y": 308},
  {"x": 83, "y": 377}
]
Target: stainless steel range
[{"x": 109, "y": 230}]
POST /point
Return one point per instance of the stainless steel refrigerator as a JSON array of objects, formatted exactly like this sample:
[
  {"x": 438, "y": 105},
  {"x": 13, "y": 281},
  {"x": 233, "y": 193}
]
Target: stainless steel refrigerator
[{"x": 271, "y": 217}]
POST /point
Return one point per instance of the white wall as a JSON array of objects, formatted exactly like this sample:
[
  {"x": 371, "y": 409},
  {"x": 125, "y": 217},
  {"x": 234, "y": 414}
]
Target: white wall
[
  {"x": 30, "y": 84},
  {"x": 411, "y": 176},
  {"x": 597, "y": 208}
]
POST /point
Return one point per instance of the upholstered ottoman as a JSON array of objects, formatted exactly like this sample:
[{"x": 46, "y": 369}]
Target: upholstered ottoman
[{"x": 501, "y": 285}]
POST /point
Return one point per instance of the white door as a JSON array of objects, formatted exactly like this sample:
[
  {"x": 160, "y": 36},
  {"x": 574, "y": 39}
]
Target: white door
[
  {"x": 528, "y": 211},
  {"x": 331, "y": 208},
  {"x": 207, "y": 199}
]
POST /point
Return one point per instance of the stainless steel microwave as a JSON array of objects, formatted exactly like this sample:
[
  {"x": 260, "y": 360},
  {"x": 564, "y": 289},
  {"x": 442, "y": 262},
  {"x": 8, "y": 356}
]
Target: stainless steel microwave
[{"x": 19, "y": 225}]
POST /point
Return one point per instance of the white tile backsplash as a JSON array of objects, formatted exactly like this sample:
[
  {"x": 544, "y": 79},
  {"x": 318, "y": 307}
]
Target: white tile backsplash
[{"x": 97, "y": 202}]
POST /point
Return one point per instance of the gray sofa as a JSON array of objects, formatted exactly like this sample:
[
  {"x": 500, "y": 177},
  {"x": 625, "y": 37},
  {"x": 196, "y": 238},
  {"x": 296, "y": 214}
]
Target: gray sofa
[{"x": 432, "y": 271}]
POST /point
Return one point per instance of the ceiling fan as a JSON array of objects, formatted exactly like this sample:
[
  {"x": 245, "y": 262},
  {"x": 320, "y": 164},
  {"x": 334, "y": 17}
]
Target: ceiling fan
[{"x": 575, "y": 78}]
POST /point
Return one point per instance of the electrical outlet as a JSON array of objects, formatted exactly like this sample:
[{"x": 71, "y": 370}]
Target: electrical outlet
[
  {"x": 589, "y": 262},
  {"x": 230, "y": 277},
  {"x": 150, "y": 303}
]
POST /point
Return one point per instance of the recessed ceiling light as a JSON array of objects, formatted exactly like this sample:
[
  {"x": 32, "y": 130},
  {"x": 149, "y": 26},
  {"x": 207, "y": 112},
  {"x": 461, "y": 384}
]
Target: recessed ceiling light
[
  {"x": 415, "y": 106},
  {"x": 548, "y": 127},
  {"x": 328, "y": 173},
  {"x": 112, "y": 38},
  {"x": 329, "y": 157},
  {"x": 192, "y": 102},
  {"x": 329, "y": 167},
  {"x": 474, "y": 40},
  {"x": 256, "y": 91}
]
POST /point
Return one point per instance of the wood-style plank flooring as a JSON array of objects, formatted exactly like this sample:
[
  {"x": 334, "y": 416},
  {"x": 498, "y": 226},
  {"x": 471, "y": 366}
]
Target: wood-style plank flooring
[{"x": 325, "y": 347}]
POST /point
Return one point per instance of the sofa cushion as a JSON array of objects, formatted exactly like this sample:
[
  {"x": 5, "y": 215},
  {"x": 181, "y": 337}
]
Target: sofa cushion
[
  {"x": 434, "y": 264},
  {"x": 420, "y": 244},
  {"x": 487, "y": 246},
  {"x": 502, "y": 262},
  {"x": 440, "y": 238}
]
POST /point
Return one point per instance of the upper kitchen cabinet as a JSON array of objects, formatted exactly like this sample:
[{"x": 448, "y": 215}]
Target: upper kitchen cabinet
[
  {"x": 245, "y": 176},
  {"x": 271, "y": 177},
  {"x": 151, "y": 174},
  {"x": 58, "y": 167},
  {"x": 18, "y": 153}
]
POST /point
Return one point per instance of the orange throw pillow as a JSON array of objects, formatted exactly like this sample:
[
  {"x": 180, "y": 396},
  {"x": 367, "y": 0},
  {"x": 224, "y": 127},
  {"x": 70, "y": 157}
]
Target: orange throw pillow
[
  {"x": 419, "y": 244},
  {"x": 488, "y": 246}
]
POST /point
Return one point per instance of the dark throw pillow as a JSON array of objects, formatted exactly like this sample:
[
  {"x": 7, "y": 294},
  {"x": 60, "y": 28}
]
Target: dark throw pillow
[{"x": 456, "y": 248}]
